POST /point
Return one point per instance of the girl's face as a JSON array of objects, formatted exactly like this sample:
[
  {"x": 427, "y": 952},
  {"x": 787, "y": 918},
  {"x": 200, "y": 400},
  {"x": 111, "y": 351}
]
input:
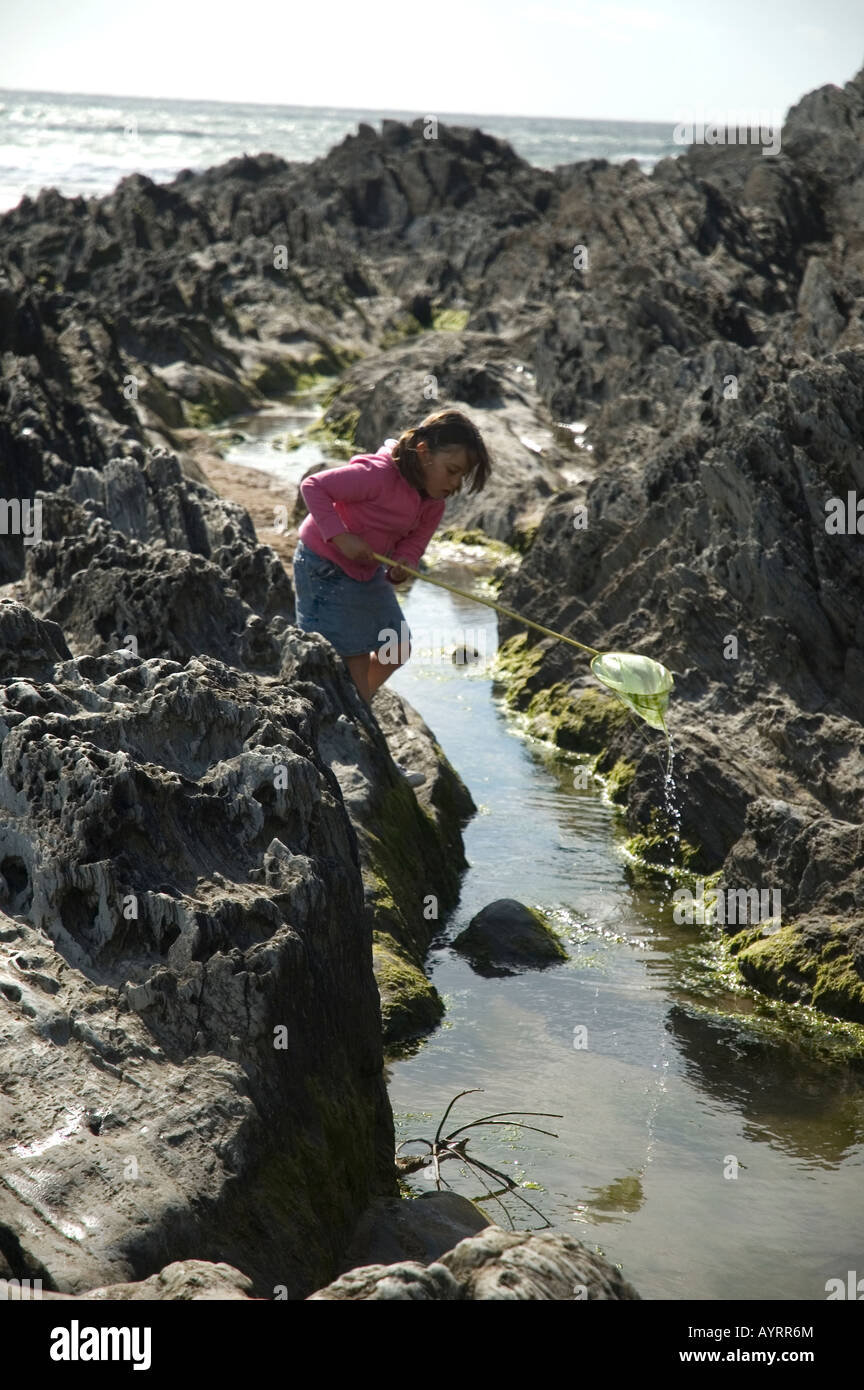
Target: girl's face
[{"x": 444, "y": 468}]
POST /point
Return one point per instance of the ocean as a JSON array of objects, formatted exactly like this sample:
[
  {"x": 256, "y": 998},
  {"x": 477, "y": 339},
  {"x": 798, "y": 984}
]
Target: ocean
[{"x": 86, "y": 144}]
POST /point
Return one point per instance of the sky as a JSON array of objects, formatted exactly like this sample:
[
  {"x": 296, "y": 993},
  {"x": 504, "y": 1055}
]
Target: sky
[{"x": 655, "y": 61}]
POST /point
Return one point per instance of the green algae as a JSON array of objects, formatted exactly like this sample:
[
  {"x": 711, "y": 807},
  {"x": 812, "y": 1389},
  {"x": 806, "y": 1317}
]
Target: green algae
[
  {"x": 410, "y": 1003},
  {"x": 659, "y": 849},
  {"x": 618, "y": 779},
  {"x": 402, "y": 328},
  {"x": 450, "y": 320},
  {"x": 336, "y": 433},
  {"x": 785, "y": 964},
  {"x": 519, "y": 661},
  {"x": 583, "y": 721},
  {"x": 711, "y": 969},
  {"x": 305, "y": 1195}
]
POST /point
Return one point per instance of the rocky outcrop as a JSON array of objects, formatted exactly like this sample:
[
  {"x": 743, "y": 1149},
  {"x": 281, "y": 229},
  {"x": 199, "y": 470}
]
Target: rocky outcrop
[
  {"x": 410, "y": 845},
  {"x": 725, "y": 424},
  {"x": 203, "y": 839},
  {"x": 512, "y": 1265},
  {"x": 191, "y": 1026},
  {"x": 186, "y": 951}
]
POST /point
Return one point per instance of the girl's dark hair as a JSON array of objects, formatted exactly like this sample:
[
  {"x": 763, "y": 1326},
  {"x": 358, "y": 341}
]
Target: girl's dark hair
[{"x": 443, "y": 429}]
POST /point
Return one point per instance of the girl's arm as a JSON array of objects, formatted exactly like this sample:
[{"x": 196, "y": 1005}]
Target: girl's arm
[
  {"x": 411, "y": 547},
  {"x": 353, "y": 483}
]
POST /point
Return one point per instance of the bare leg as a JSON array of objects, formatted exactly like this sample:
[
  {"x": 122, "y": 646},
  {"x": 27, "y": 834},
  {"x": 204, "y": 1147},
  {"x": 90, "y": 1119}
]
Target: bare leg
[
  {"x": 359, "y": 668},
  {"x": 368, "y": 673},
  {"x": 380, "y": 671}
]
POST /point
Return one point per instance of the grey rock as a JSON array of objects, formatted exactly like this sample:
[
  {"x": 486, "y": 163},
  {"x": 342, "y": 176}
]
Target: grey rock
[
  {"x": 523, "y": 1265},
  {"x": 496, "y": 1264},
  {"x": 184, "y": 1281},
  {"x": 506, "y": 936},
  {"x": 420, "y": 1229},
  {"x": 182, "y": 879},
  {"x": 407, "y": 1281}
]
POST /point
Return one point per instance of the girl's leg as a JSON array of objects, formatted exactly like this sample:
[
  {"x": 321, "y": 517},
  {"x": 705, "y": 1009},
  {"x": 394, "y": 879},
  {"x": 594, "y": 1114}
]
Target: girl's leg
[
  {"x": 368, "y": 673},
  {"x": 380, "y": 671},
  {"x": 359, "y": 667}
]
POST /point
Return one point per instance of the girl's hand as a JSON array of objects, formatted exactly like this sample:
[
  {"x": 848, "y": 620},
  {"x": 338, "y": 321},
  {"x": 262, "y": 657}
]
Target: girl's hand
[
  {"x": 353, "y": 547},
  {"x": 396, "y": 574}
]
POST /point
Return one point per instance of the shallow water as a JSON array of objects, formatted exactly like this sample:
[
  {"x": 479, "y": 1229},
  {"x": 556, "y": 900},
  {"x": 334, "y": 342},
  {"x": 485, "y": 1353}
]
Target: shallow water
[
  {"x": 273, "y": 441},
  {"x": 679, "y": 1080}
]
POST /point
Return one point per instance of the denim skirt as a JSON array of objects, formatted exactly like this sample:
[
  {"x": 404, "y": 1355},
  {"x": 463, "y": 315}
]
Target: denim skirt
[{"x": 355, "y": 615}]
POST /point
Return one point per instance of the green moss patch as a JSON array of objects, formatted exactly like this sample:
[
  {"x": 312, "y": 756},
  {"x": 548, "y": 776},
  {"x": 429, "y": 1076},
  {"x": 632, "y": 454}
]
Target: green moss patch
[
  {"x": 410, "y": 1004},
  {"x": 517, "y": 662},
  {"x": 450, "y": 320},
  {"x": 403, "y": 327},
  {"x": 789, "y": 967},
  {"x": 583, "y": 721},
  {"x": 618, "y": 780},
  {"x": 336, "y": 433}
]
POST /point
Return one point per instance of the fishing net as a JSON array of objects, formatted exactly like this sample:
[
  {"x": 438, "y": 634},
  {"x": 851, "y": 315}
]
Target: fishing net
[{"x": 639, "y": 682}]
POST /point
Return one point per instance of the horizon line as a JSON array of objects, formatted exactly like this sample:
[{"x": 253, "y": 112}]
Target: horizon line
[{"x": 302, "y": 106}]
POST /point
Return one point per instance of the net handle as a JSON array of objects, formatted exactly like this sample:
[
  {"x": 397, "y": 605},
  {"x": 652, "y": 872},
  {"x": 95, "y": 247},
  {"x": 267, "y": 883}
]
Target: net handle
[{"x": 475, "y": 598}]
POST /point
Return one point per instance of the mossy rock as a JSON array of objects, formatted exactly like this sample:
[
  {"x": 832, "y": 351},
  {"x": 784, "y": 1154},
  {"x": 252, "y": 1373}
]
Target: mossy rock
[
  {"x": 619, "y": 780},
  {"x": 524, "y": 539},
  {"x": 475, "y": 536},
  {"x": 506, "y": 936},
  {"x": 403, "y": 327},
  {"x": 450, "y": 320},
  {"x": 583, "y": 721},
  {"x": 273, "y": 377},
  {"x": 660, "y": 852},
  {"x": 410, "y": 1004},
  {"x": 517, "y": 662},
  {"x": 216, "y": 399},
  {"x": 336, "y": 433},
  {"x": 790, "y": 966}
]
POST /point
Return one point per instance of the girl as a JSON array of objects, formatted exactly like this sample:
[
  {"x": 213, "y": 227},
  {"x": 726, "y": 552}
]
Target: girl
[{"x": 391, "y": 502}]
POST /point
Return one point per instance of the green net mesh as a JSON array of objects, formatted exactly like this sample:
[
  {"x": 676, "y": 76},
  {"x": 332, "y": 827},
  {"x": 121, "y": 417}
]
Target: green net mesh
[{"x": 638, "y": 681}]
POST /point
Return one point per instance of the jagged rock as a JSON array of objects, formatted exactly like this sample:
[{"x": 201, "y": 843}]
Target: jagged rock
[
  {"x": 493, "y": 1265},
  {"x": 410, "y": 844},
  {"x": 407, "y": 1281},
  {"x": 506, "y": 936},
  {"x": 170, "y": 903},
  {"x": 522, "y": 1265}
]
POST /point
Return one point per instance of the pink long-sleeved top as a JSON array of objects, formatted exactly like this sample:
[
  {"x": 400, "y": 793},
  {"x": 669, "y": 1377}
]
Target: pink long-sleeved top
[{"x": 370, "y": 498}]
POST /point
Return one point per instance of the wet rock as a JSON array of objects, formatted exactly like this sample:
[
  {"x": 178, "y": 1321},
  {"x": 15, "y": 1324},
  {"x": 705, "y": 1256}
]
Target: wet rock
[
  {"x": 493, "y": 1265},
  {"x": 506, "y": 936},
  {"x": 420, "y": 1229}
]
